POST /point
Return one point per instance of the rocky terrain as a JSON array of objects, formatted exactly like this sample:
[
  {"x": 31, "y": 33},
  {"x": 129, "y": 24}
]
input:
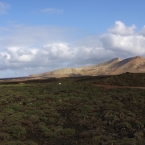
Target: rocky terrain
[{"x": 112, "y": 67}]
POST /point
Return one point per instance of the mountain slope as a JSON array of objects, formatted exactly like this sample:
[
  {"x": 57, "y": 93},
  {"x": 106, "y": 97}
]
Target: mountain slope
[{"x": 111, "y": 67}]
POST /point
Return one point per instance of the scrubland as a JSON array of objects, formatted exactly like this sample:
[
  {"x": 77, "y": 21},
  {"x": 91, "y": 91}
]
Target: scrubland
[{"x": 43, "y": 112}]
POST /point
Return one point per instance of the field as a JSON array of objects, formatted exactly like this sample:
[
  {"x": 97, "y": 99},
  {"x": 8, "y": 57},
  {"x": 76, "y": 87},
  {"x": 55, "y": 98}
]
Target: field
[{"x": 80, "y": 111}]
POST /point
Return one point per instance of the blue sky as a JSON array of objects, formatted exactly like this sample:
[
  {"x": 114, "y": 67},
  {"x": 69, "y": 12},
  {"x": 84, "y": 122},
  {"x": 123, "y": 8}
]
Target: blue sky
[
  {"x": 42, "y": 35},
  {"x": 93, "y": 16}
]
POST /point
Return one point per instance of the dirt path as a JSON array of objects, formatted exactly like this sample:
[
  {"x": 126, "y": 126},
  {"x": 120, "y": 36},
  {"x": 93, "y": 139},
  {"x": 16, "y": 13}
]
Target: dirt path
[{"x": 114, "y": 87}]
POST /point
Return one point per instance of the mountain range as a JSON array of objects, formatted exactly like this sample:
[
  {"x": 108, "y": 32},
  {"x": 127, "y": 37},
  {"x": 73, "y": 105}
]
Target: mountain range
[{"x": 111, "y": 67}]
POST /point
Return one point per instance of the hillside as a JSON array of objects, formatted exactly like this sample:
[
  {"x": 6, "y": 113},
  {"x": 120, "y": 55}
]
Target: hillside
[{"x": 112, "y": 67}]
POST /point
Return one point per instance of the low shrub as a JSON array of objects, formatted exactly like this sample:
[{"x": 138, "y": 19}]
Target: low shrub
[{"x": 16, "y": 130}]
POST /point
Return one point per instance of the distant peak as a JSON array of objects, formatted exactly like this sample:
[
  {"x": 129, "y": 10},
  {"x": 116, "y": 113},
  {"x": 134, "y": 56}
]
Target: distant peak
[
  {"x": 115, "y": 59},
  {"x": 118, "y": 59},
  {"x": 138, "y": 57},
  {"x": 111, "y": 61}
]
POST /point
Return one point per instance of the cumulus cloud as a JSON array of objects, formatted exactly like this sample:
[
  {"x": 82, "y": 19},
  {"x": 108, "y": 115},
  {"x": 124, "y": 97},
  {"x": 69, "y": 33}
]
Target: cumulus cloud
[
  {"x": 52, "y": 11},
  {"x": 121, "y": 29},
  {"x": 27, "y": 50},
  {"x": 4, "y": 7},
  {"x": 131, "y": 44},
  {"x": 121, "y": 38}
]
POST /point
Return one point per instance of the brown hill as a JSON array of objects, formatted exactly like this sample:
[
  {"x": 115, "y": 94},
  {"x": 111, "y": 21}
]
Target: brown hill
[{"x": 112, "y": 67}]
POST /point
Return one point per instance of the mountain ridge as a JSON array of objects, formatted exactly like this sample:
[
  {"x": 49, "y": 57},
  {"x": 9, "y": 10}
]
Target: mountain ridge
[{"x": 111, "y": 67}]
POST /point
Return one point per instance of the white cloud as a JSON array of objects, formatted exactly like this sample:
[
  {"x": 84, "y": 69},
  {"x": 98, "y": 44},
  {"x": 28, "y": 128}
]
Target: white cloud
[
  {"x": 121, "y": 29},
  {"x": 52, "y": 11},
  {"x": 142, "y": 32},
  {"x": 133, "y": 44},
  {"x": 4, "y": 7},
  {"x": 27, "y": 50}
]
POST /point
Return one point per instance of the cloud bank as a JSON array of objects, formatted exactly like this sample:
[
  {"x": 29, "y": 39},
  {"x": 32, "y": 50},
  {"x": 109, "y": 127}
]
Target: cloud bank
[{"x": 26, "y": 50}]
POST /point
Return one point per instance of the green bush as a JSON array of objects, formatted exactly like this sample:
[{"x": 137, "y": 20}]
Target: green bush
[
  {"x": 17, "y": 142},
  {"x": 42, "y": 127},
  {"x": 128, "y": 141},
  {"x": 16, "y": 107},
  {"x": 67, "y": 132},
  {"x": 4, "y": 136},
  {"x": 30, "y": 142},
  {"x": 123, "y": 125},
  {"x": 16, "y": 130}
]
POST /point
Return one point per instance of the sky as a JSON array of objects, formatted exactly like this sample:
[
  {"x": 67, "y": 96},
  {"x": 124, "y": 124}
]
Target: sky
[{"x": 38, "y": 36}]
